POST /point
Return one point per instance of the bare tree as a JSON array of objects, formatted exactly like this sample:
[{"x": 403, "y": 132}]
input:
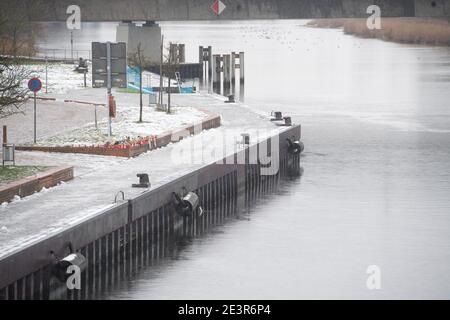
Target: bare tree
[
  {"x": 13, "y": 91},
  {"x": 172, "y": 65},
  {"x": 17, "y": 32},
  {"x": 138, "y": 61}
]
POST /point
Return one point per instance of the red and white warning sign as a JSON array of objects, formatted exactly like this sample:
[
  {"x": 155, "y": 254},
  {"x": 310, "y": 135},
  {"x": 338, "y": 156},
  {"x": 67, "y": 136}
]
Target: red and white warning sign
[{"x": 218, "y": 6}]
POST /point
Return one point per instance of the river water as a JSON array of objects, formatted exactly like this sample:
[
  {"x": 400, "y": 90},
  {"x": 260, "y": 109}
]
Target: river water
[{"x": 376, "y": 185}]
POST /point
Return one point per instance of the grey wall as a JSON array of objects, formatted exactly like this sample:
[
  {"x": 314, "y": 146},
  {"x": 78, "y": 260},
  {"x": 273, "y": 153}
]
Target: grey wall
[
  {"x": 160, "y": 10},
  {"x": 149, "y": 37}
]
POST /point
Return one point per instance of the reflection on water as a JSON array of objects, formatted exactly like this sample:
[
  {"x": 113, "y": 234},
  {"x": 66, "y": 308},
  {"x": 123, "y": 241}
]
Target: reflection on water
[{"x": 376, "y": 125}]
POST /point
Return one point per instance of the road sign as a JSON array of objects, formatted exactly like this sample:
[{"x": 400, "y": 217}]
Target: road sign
[
  {"x": 118, "y": 53},
  {"x": 34, "y": 84},
  {"x": 218, "y": 7}
]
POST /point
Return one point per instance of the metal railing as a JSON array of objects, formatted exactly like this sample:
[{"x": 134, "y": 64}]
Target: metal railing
[{"x": 63, "y": 54}]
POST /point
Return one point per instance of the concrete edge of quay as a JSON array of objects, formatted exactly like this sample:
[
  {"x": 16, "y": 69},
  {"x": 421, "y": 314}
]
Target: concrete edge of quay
[{"x": 26, "y": 271}]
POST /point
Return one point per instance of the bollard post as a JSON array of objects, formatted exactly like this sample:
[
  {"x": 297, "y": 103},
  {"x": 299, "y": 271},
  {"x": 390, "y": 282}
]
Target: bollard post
[{"x": 5, "y": 135}]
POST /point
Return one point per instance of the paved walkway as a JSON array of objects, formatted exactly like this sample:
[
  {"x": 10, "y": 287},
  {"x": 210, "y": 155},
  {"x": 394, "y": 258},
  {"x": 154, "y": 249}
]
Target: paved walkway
[{"x": 98, "y": 179}]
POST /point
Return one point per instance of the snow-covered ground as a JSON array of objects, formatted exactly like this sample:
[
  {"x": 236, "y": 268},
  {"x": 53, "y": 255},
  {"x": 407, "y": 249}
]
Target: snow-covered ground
[
  {"x": 45, "y": 213},
  {"x": 61, "y": 77},
  {"x": 126, "y": 126},
  {"x": 98, "y": 179},
  {"x": 65, "y": 83}
]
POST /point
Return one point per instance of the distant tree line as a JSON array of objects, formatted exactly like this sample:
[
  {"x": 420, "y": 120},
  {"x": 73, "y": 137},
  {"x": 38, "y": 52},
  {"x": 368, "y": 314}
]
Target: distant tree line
[{"x": 17, "y": 32}]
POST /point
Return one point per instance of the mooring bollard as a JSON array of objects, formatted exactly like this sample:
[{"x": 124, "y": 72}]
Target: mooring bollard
[
  {"x": 144, "y": 181},
  {"x": 278, "y": 116}
]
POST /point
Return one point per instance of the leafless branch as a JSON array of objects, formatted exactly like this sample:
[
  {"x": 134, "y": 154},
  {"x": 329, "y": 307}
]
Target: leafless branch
[{"x": 13, "y": 91}]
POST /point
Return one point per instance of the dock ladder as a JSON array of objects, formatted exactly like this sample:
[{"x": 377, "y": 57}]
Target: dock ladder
[{"x": 178, "y": 78}]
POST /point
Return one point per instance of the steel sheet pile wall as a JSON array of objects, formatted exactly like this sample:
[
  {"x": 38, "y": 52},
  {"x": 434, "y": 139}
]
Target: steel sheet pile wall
[{"x": 141, "y": 231}]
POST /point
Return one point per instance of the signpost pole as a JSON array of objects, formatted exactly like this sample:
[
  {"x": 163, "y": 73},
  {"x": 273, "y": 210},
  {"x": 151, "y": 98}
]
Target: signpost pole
[
  {"x": 35, "y": 117},
  {"x": 95, "y": 116},
  {"x": 46, "y": 74},
  {"x": 108, "y": 81},
  {"x": 71, "y": 45},
  {"x": 161, "y": 83}
]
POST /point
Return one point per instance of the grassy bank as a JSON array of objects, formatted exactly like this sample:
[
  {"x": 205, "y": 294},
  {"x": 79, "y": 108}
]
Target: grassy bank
[
  {"x": 12, "y": 173},
  {"x": 403, "y": 30}
]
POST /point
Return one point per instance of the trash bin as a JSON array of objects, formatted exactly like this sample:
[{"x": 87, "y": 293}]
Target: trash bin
[{"x": 9, "y": 153}]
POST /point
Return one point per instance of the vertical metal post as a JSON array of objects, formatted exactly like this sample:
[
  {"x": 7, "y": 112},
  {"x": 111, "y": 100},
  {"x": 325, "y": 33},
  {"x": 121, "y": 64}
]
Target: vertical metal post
[
  {"x": 95, "y": 116},
  {"x": 173, "y": 52},
  {"x": 226, "y": 74},
  {"x": 161, "y": 74},
  {"x": 210, "y": 69},
  {"x": 182, "y": 53},
  {"x": 241, "y": 67},
  {"x": 5, "y": 135},
  {"x": 71, "y": 45},
  {"x": 46, "y": 74},
  {"x": 201, "y": 61},
  {"x": 241, "y": 76},
  {"x": 216, "y": 73},
  {"x": 200, "y": 54},
  {"x": 85, "y": 71},
  {"x": 233, "y": 72},
  {"x": 108, "y": 81},
  {"x": 34, "y": 118}
]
